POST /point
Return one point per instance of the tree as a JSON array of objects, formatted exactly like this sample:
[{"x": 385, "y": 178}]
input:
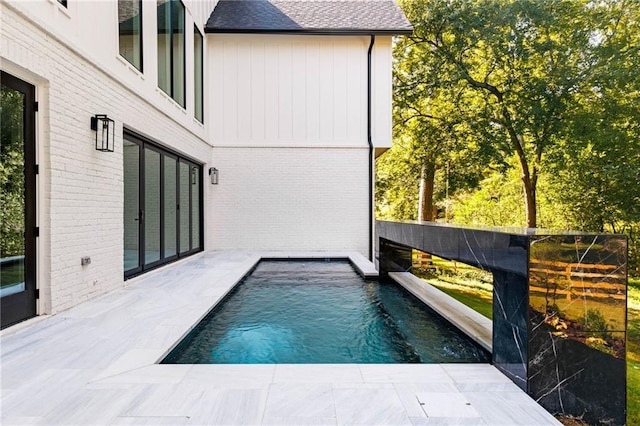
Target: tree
[
  {"x": 431, "y": 134},
  {"x": 517, "y": 65},
  {"x": 11, "y": 174}
]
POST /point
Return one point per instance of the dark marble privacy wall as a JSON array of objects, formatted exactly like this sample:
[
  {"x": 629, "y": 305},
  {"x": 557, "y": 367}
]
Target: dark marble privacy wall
[
  {"x": 559, "y": 307},
  {"x": 577, "y": 316}
]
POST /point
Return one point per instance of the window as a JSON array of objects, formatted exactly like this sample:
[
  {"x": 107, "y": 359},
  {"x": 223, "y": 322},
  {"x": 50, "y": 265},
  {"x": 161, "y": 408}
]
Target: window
[
  {"x": 63, "y": 2},
  {"x": 197, "y": 54},
  {"x": 130, "y": 31},
  {"x": 171, "y": 58}
]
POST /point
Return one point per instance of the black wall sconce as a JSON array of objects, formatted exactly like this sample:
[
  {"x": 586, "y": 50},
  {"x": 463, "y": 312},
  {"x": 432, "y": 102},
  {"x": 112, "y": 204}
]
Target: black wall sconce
[
  {"x": 105, "y": 132},
  {"x": 213, "y": 172}
]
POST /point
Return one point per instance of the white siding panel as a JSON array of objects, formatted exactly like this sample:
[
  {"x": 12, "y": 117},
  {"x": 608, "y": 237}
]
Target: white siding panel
[
  {"x": 356, "y": 91},
  {"x": 244, "y": 78},
  {"x": 299, "y": 95},
  {"x": 285, "y": 94},
  {"x": 230, "y": 63},
  {"x": 340, "y": 91},
  {"x": 298, "y": 91},
  {"x": 258, "y": 91},
  {"x": 312, "y": 92},
  {"x": 326, "y": 94},
  {"x": 271, "y": 101},
  {"x": 382, "y": 96},
  {"x": 216, "y": 84}
]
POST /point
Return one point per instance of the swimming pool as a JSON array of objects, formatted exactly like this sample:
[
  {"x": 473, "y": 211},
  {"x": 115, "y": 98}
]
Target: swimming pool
[{"x": 321, "y": 312}]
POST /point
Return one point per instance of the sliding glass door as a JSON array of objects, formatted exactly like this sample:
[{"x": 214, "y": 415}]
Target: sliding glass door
[{"x": 162, "y": 211}]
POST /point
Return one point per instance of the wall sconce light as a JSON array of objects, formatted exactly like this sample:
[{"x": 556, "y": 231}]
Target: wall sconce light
[
  {"x": 213, "y": 172},
  {"x": 194, "y": 176},
  {"x": 105, "y": 132}
]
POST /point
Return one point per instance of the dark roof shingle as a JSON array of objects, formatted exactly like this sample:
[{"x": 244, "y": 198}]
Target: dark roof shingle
[{"x": 308, "y": 16}]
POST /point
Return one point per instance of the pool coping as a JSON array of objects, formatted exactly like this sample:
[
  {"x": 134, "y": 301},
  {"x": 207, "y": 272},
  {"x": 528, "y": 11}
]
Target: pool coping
[{"x": 473, "y": 324}]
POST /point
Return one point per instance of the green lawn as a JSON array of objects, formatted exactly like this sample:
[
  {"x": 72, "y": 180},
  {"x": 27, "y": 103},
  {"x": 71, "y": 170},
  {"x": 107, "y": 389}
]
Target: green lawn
[
  {"x": 477, "y": 297},
  {"x": 478, "y": 302}
]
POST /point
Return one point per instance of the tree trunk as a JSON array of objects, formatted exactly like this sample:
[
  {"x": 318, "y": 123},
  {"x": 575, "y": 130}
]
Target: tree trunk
[
  {"x": 425, "y": 207},
  {"x": 529, "y": 182},
  {"x": 530, "y": 200}
]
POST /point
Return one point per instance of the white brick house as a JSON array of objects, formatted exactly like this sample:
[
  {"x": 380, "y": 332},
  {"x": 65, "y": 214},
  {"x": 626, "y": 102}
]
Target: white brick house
[{"x": 273, "y": 94}]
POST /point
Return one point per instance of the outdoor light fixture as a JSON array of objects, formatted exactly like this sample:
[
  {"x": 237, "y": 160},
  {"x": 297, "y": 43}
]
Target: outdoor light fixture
[
  {"x": 105, "y": 132},
  {"x": 213, "y": 172}
]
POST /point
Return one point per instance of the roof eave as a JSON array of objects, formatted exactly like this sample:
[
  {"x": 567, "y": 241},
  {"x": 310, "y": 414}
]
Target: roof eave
[{"x": 311, "y": 31}]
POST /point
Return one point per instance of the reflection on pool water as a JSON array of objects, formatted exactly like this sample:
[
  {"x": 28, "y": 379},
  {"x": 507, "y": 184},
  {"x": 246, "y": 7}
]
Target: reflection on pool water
[{"x": 321, "y": 312}]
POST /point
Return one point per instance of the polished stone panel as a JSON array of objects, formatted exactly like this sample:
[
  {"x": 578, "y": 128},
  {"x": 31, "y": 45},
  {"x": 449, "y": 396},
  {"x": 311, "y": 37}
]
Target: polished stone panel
[
  {"x": 577, "y": 313},
  {"x": 394, "y": 258},
  {"x": 559, "y": 307},
  {"x": 510, "y": 345}
]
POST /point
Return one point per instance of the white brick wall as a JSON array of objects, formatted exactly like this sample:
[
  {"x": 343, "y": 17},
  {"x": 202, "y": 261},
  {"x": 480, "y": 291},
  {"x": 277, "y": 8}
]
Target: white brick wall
[
  {"x": 80, "y": 190},
  {"x": 290, "y": 199},
  {"x": 273, "y": 193}
]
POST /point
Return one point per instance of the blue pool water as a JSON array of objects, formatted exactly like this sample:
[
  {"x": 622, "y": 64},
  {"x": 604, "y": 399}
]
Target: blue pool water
[{"x": 321, "y": 312}]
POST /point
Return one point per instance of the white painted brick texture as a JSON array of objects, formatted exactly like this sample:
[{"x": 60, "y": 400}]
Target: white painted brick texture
[
  {"x": 290, "y": 199},
  {"x": 80, "y": 209}
]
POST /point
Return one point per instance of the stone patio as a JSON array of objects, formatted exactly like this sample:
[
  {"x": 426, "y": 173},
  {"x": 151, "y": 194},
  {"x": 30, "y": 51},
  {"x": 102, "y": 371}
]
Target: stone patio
[{"x": 96, "y": 364}]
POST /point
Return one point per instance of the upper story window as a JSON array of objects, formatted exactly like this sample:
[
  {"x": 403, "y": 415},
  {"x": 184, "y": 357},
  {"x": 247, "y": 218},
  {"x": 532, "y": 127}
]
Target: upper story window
[
  {"x": 171, "y": 50},
  {"x": 130, "y": 31},
  {"x": 197, "y": 65}
]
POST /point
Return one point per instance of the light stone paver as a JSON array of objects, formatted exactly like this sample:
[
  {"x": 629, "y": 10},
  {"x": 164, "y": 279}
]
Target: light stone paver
[{"x": 97, "y": 364}]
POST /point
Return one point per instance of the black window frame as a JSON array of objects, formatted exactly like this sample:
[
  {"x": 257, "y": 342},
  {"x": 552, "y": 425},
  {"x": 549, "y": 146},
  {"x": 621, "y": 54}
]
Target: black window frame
[
  {"x": 172, "y": 32},
  {"x": 198, "y": 108},
  {"x": 141, "y": 47}
]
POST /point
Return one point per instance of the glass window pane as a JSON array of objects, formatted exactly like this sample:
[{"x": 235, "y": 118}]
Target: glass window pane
[
  {"x": 170, "y": 204},
  {"x": 185, "y": 184},
  {"x": 130, "y": 31},
  {"x": 198, "y": 78},
  {"x": 195, "y": 207},
  {"x": 177, "y": 24},
  {"x": 164, "y": 46},
  {"x": 12, "y": 190},
  {"x": 152, "y": 206},
  {"x": 131, "y": 204}
]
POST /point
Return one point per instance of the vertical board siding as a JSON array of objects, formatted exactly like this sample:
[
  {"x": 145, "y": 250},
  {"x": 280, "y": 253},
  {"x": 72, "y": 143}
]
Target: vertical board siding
[
  {"x": 326, "y": 93},
  {"x": 297, "y": 90},
  {"x": 382, "y": 93},
  {"x": 271, "y": 103},
  {"x": 258, "y": 90},
  {"x": 230, "y": 93},
  {"x": 243, "y": 80},
  {"x": 299, "y": 93},
  {"x": 312, "y": 71},
  {"x": 340, "y": 89},
  {"x": 285, "y": 92}
]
